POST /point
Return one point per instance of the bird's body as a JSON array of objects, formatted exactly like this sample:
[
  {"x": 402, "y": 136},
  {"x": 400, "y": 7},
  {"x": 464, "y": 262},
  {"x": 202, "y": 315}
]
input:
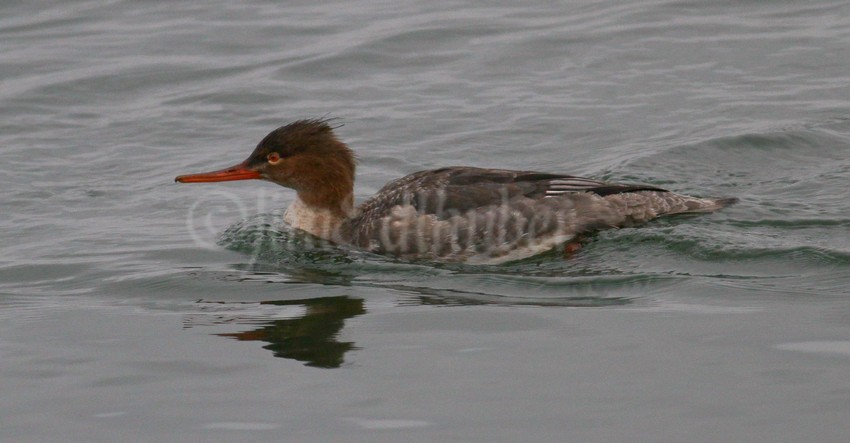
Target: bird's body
[{"x": 460, "y": 214}]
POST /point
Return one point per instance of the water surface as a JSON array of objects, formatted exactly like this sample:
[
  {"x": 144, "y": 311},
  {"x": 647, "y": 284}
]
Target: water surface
[{"x": 133, "y": 308}]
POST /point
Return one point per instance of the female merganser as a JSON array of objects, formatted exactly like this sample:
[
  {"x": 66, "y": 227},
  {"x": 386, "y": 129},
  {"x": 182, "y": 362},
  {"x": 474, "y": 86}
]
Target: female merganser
[{"x": 450, "y": 214}]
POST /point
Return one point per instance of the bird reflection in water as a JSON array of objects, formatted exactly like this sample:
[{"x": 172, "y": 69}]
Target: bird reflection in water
[{"x": 310, "y": 338}]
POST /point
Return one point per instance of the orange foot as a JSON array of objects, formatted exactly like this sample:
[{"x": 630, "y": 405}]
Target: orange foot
[{"x": 572, "y": 248}]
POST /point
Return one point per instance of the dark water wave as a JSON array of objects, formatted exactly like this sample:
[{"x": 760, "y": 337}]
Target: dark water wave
[{"x": 277, "y": 253}]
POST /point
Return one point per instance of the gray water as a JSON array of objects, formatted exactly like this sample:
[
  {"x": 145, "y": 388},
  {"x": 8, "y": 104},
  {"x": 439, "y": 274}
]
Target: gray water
[{"x": 136, "y": 309}]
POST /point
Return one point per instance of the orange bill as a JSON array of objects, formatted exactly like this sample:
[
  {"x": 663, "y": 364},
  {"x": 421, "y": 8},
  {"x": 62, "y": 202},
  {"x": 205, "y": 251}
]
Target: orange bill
[{"x": 236, "y": 172}]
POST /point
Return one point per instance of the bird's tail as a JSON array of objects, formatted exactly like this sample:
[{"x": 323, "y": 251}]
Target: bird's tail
[{"x": 695, "y": 205}]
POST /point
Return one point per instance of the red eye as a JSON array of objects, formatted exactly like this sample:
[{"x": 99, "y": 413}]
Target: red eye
[{"x": 274, "y": 157}]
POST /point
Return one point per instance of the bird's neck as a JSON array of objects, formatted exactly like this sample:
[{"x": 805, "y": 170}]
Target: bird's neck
[
  {"x": 325, "y": 187},
  {"x": 320, "y": 217}
]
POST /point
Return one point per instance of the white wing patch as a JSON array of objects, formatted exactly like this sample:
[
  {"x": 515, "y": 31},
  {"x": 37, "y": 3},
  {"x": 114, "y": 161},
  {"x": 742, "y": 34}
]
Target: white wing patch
[{"x": 572, "y": 184}]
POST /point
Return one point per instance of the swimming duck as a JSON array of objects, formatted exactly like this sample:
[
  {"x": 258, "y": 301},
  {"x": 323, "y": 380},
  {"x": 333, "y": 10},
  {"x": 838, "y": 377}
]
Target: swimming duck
[{"x": 456, "y": 214}]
